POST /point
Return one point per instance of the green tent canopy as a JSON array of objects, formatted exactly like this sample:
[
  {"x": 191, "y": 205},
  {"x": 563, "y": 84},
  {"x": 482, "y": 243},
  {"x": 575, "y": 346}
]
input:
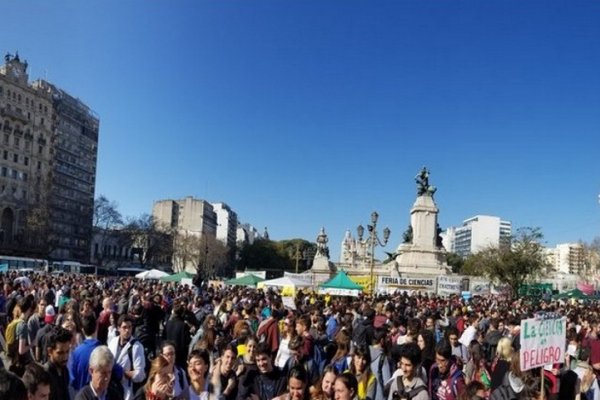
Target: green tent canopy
[
  {"x": 246, "y": 280},
  {"x": 575, "y": 294},
  {"x": 341, "y": 285},
  {"x": 177, "y": 277}
]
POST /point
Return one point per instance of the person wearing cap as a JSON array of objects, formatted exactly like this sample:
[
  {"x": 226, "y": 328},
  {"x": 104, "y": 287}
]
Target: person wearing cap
[{"x": 40, "y": 338}]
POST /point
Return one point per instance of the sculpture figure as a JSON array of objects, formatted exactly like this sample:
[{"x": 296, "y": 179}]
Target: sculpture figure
[
  {"x": 423, "y": 186},
  {"x": 322, "y": 249}
]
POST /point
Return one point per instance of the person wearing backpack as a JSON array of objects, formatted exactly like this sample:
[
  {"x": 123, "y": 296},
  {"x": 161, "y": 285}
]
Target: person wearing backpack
[
  {"x": 17, "y": 336},
  {"x": 129, "y": 354},
  {"x": 409, "y": 385},
  {"x": 446, "y": 380},
  {"x": 380, "y": 364}
]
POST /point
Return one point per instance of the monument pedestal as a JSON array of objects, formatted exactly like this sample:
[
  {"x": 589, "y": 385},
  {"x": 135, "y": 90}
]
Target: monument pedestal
[{"x": 422, "y": 256}]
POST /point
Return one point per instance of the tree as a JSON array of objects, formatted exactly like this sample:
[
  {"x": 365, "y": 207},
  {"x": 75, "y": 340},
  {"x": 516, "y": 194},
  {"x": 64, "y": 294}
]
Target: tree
[
  {"x": 207, "y": 255},
  {"x": 521, "y": 262},
  {"x": 275, "y": 257},
  {"x": 455, "y": 261},
  {"x": 151, "y": 246},
  {"x": 106, "y": 220}
]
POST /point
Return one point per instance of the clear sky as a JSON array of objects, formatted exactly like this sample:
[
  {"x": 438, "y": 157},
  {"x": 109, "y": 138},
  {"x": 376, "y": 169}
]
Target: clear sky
[{"x": 312, "y": 113}]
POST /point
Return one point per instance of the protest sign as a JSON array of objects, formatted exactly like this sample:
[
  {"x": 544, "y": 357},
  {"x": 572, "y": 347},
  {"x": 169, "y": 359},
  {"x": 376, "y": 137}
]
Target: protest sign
[{"x": 542, "y": 341}]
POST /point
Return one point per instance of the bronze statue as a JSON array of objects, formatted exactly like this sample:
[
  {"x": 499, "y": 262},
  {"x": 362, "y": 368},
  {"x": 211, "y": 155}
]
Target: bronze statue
[{"x": 423, "y": 186}]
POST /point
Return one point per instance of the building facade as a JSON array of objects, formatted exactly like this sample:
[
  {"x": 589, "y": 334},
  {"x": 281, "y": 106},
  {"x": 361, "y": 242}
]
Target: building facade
[
  {"x": 47, "y": 168},
  {"x": 73, "y": 175},
  {"x": 195, "y": 216},
  {"x": 27, "y": 135},
  {"x": 227, "y": 223},
  {"x": 568, "y": 258},
  {"x": 476, "y": 234}
]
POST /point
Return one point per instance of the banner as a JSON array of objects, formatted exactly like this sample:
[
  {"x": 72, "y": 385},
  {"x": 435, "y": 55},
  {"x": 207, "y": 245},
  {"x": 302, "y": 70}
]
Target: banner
[
  {"x": 479, "y": 287},
  {"x": 406, "y": 283},
  {"x": 187, "y": 281},
  {"x": 305, "y": 277},
  {"x": 260, "y": 274},
  {"x": 542, "y": 342},
  {"x": 449, "y": 285},
  {"x": 364, "y": 281},
  {"x": 288, "y": 302},
  {"x": 340, "y": 292}
]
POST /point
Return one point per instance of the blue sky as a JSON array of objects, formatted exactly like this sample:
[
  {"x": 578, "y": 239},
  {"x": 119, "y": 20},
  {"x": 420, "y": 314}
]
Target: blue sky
[{"x": 303, "y": 114}]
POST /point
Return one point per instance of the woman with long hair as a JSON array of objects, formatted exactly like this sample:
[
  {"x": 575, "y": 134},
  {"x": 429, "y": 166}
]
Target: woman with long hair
[
  {"x": 361, "y": 369},
  {"x": 284, "y": 353},
  {"x": 323, "y": 389},
  {"x": 297, "y": 385},
  {"x": 159, "y": 385},
  {"x": 476, "y": 370},
  {"x": 340, "y": 360},
  {"x": 502, "y": 362},
  {"x": 426, "y": 342}
]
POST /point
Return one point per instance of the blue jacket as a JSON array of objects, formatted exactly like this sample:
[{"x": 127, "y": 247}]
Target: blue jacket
[{"x": 79, "y": 375}]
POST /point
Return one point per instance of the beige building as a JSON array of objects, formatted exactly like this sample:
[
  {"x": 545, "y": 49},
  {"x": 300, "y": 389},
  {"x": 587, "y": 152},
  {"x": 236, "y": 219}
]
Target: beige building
[
  {"x": 47, "y": 168},
  {"x": 27, "y": 134}
]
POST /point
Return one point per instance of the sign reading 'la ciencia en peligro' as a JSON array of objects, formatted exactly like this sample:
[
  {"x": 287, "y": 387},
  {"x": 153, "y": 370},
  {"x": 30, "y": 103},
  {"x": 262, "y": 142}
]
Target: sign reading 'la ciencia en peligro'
[{"x": 542, "y": 342}]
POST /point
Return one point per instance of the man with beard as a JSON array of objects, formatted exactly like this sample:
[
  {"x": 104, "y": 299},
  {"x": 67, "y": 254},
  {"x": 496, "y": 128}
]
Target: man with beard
[
  {"x": 265, "y": 382},
  {"x": 58, "y": 345}
]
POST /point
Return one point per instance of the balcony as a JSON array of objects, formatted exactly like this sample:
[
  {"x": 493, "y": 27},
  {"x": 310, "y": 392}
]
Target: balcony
[{"x": 14, "y": 114}]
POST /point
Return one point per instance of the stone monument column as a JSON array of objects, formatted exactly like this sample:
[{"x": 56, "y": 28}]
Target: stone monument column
[{"x": 420, "y": 254}]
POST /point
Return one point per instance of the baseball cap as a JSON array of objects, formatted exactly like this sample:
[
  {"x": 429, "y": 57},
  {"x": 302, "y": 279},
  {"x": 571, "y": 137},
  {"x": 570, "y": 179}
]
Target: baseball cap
[{"x": 50, "y": 314}]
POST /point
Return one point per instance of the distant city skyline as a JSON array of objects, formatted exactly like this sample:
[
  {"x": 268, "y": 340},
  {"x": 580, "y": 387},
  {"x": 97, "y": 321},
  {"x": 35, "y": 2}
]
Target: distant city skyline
[{"x": 302, "y": 115}]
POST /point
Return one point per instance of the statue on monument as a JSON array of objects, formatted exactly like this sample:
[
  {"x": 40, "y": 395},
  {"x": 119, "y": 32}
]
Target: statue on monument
[
  {"x": 423, "y": 186},
  {"x": 322, "y": 249},
  {"x": 407, "y": 236}
]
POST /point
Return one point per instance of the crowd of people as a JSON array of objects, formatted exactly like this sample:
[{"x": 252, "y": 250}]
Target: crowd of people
[{"x": 79, "y": 337}]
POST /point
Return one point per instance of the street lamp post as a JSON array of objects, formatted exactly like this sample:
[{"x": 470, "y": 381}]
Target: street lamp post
[
  {"x": 300, "y": 255},
  {"x": 372, "y": 241}
]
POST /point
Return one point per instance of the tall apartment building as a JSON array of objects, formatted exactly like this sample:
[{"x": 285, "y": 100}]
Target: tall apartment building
[
  {"x": 477, "y": 233},
  {"x": 73, "y": 175},
  {"x": 191, "y": 215},
  {"x": 227, "y": 223},
  {"x": 47, "y": 167},
  {"x": 568, "y": 258}
]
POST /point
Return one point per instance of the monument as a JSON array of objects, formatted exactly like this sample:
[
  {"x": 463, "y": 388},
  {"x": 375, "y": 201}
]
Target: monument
[
  {"x": 422, "y": 251},
  {"x": 322, "y": 269}
]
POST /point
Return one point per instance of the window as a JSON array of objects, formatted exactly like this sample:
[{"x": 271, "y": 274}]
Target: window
[
  {"x": 17, "y": 142},
  {"x": 15, "y": 158},
  {"x": 5, "y": 154},
  {"x": 4, "y": 171},
  {"x": 6, "y": 138},
  {"x": 26, "y": 161},
  {"x": 40, "y": 149},
  {"x": 25, "y": 177},
  {"x": 13, "y": 174},
  {"x": 39, "y": 165}
]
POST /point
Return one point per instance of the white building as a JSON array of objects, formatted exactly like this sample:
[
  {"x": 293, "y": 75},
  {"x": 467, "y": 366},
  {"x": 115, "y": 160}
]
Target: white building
[
  {"x": 246, "y": 234},
  {"x": 567, "y": 258},
  {"x": 227, "y": 224},
  {"x": 477, "y": 233}
]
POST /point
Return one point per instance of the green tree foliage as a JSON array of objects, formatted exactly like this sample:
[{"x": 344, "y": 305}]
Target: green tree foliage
[
  {"x": 455, "y": 261},
  {"x": 276, "y": 256},
  {"x": 516, "y": 264}
]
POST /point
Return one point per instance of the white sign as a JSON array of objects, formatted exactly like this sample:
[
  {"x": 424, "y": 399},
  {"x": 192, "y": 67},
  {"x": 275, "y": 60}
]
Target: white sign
[
  {"x": 479, "y": 287},
  {"x": 305, "y": 277},
  {"x": 448, "y": 285},
  {"x": 542, "y": 342},
  {"x": 408, "y": 283},
  {"x": 288, "y": 302},
  {"x": 340, "y": 292}
]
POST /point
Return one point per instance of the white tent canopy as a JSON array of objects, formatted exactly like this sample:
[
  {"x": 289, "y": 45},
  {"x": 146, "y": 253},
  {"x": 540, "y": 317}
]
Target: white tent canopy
[
  {"x": 151, "y": 274},
  {"x": 285, "y": 281}
]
